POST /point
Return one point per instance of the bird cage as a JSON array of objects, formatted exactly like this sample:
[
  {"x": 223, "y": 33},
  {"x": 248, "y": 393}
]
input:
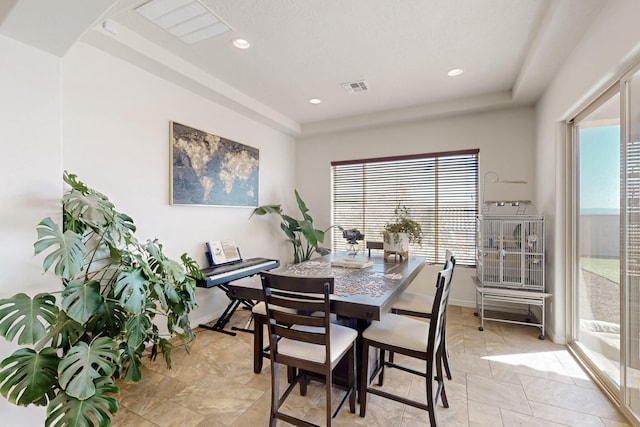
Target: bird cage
[{"x": 510, "y": 246}]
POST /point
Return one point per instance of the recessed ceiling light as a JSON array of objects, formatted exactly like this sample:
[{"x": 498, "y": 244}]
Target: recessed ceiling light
[
  {"x": 455, "y": 72},
  {"x": 315, "y": 101},
  {"x": 241, "y": 43}
]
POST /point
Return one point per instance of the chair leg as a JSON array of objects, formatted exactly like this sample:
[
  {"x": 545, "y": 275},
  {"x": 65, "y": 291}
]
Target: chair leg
[
  {"x": 328, "y": 387},
  {"x": 352, "y": 379},
  {"x": 445, "y": 360},
  {"x": 445, "y": 350},
  {"x": 381, "y": 363},
  {"x": 275, "y": 394},
  {"x": 431, "y": 407},
  {"x": 440, "y": 380},
  {"x": 304, "y": 381},
  {"x": 364, "y": 377},
  {"x": 258, "y": 343}
]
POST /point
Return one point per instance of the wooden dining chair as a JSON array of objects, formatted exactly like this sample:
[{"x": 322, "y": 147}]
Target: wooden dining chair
[
  {"x": 302, "y": 337},
  {"x": 259, "y": 318},
  {"x": 419, "y": 305},
  {"x": 414, "y": 338}
]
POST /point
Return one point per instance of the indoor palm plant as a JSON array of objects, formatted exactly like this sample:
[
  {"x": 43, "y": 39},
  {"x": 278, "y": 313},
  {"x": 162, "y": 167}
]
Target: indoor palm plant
[
  {"x": 402, "y": 230},
  {"x": 302, "y": 234},
  {"x": 99, "y": 325}
]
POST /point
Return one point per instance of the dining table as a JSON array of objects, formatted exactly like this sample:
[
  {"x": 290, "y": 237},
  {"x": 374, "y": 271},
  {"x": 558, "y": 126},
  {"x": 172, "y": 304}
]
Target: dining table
[
  {"x": 363, "y": 290},
  {"x": 360, "y": 293}
]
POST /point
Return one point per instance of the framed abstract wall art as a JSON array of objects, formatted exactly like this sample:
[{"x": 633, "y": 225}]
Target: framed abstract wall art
[{"x": 209, "y": 170}]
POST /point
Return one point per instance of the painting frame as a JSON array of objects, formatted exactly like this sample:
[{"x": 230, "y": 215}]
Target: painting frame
[{"x": 209, "y": 170}]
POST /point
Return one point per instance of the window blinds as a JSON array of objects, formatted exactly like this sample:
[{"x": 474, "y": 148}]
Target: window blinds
[{"x": 439, "y": 189}]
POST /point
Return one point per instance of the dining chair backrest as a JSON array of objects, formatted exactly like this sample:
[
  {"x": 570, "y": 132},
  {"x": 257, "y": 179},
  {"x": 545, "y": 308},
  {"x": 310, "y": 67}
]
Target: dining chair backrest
[
  {"x": 300, "y": 301},
  {"x": 449, "y": 256},
  {"x": 439, "y": 309}
]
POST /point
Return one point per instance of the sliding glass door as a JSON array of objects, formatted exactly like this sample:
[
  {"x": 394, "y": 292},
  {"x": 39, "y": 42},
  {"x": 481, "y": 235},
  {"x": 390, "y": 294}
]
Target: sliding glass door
[
  {"x": 596, "y": 296},
  {"x": 605, "y": 255},
  {"x": 630, "y": 87}
]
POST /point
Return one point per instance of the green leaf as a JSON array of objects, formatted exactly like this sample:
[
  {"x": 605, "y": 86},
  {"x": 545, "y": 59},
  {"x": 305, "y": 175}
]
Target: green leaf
[
  {"x": 68, "y": 411},
  {"x": 303, "y": 207},
  {"x": 266, "y": 209},
  {"x": 90, "y": 207},
  {"x": 174, "y": 270},
  {"x": 29, "y": 377},
  {"x": 108, "y": 319},
  {"x": 192, "y": 267},
  {"x": 66, "y": 332},
  {"x": 130, "y": 289},
  {"x": 170, "y": 292},
  {"x": 81, "y": 299},
  {"x": 158, "y": 292},
  {"x": 84, "y": 363},
  {"x": 136, "y": 330},
  {"x": 68, "y": 256},
  {"x": 165, "y": 348},
  {"x": 310, "y": 233},
  {"x": 21, "y": 316},
  {"x": 130, "y": 364}
]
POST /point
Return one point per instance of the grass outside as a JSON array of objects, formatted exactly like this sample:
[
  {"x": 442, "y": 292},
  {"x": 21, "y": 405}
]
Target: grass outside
[{"x": 605, "y": 267}]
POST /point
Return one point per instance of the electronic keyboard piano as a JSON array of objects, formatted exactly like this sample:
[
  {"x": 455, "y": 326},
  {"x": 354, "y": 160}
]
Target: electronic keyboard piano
[
  {"x": 220, "y": 276},
  {"x": 225, "y": 273}
]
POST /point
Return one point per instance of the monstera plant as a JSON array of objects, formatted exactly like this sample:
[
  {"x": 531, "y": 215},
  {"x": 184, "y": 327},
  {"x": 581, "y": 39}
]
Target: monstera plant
[
  {"x": 302, "y": 234},
  {"x": 100, "y": 324}
]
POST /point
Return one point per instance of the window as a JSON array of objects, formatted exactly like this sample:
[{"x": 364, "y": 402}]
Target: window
[{"x": 439, "y": 189}]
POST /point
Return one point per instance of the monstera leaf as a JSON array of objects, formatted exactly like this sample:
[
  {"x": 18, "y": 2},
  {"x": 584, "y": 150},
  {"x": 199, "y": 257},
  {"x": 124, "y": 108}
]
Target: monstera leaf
[
  {"x": 136, "y": 327},
  {"x": 66, "y": 332},
  {"x": 66, "y": 410},
  {"x": 29, "y": 377},
  {"x": 69, "y": 254},
  {"x": 81, "y": 299},
  {"x": 85, "y": 363},
  {"x": 109, "y": 318},
  {"x": 20, "y": 315},
  {"x": 130, "y": 363},
  {"x": 101, "y": 326},
  {"x": 130, "y": 289},
  {"x": 89, "y": 207}
]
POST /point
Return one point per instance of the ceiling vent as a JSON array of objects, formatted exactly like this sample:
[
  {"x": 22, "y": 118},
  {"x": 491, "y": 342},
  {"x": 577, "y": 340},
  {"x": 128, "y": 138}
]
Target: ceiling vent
[
  {"x": 189, "y": 20},
  {"x": 355, "y": 87}
]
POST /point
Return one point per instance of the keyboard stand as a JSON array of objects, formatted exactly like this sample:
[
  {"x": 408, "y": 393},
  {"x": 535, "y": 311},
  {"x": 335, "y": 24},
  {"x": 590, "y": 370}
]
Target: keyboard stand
[{"x": 234, "y": 304}]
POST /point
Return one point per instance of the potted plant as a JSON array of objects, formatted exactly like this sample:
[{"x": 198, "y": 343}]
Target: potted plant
[
  {"x": 402, "y": 231},
  {"x": 99, "y": 325},
  {"x": 302, "y": 234}
]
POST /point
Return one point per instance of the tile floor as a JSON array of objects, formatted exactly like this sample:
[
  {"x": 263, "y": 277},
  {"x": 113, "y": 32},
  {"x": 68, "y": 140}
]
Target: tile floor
[{"x": 503, "y": 376}]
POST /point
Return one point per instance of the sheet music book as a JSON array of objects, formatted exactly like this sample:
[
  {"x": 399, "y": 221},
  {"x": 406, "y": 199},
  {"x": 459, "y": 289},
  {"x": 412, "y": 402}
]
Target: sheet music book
[{"x": 223, "y": 252}]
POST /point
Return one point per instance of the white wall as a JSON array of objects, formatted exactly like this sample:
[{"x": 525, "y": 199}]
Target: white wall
[
  {"x": 116, "y": 139},
  {"x": 506, "y": 140},
  {"x": 108, "y": 122},
  {"x": 30, "y": 166},
  {"x": 606, "y": 51}
]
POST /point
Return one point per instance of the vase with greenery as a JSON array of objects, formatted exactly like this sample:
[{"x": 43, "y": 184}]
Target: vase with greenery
[
  {"x": 99, "y": 325},
  {"x": 402, "y": 223},
  {"x": 301, "y": 233}
]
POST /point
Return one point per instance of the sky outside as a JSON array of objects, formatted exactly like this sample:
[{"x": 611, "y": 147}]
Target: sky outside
[{"x": 600, "y": 170}]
